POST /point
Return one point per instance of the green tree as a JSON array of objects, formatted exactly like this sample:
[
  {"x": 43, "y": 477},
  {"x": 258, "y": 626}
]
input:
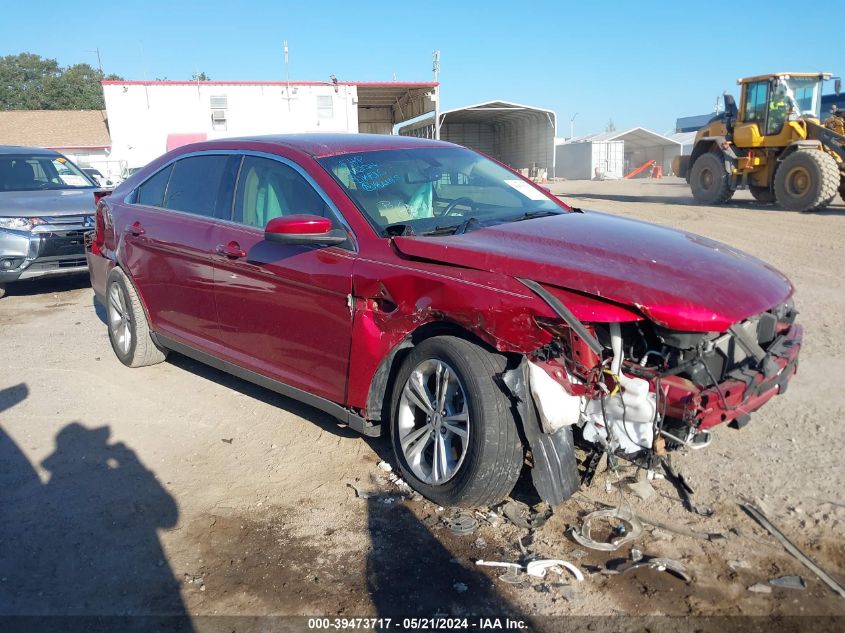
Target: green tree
[
  {"x": 200, "y": 76},
  {"x": 31, "y": 82}
]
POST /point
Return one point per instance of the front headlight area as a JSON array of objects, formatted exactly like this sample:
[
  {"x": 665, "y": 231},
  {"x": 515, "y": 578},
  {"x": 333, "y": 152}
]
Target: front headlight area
[{"x": 20, "y": 224}]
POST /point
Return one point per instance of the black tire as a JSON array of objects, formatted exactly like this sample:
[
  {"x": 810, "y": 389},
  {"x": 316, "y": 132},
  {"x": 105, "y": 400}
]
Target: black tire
[
  {"x": 806, "y": 180},
  {"x": 709, "y": 181},
  {"x": 763, "y": 195},
  {"x": 493, "y": 458},
  {"x": 841, "y": 194},
  {"x": 2, "y": 290},
  {"x": 123, "y": 307}
]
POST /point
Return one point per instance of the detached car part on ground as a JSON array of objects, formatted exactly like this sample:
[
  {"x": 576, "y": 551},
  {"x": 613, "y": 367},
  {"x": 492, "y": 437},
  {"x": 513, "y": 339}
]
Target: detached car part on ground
[
  {"x": 431, "y": 291},
  {"x": 45, "y": 210}
]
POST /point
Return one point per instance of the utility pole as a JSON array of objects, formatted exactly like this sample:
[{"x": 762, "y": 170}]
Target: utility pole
[
  {"x": 572, "y": 127},
  {"x": 99, "y": 62},
  {"x": 436, "y": 69},
  {"x": 287, "y": 73}
]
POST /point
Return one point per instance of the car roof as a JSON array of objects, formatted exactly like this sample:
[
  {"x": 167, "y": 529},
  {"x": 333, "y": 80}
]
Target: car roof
[
  {"x": 322, "y": 145},
  {"x": 37, "y": 151}
]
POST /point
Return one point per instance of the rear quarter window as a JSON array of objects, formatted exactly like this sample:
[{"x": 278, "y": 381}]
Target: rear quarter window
[{"x": 151, "y": 193}]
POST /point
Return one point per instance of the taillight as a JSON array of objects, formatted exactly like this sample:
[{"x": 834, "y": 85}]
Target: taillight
[
  {"x": 100, "y": 227},
  {"x": 99, "y": 195}
]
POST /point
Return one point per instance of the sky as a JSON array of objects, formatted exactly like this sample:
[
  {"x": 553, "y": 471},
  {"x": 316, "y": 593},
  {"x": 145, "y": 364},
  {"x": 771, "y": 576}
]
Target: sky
[{"x": 635, "y": 63}]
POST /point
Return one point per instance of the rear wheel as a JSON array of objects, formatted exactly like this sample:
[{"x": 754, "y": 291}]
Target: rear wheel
[
  {"x": 763, "y": 194},
  {"x": 709, "y": 181},
  {"x": 453, "y": 431},
  {"x": 806, "y": 180},
  {"x": 129, "y": 331}
]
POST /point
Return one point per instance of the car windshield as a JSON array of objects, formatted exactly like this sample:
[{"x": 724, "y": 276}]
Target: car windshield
[
  {"x": 429, "y": 191},
  {"x": 33, "y": 172}
]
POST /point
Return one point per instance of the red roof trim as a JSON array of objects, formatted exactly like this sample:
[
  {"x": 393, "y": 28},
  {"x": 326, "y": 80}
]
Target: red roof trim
[
  {"x": 365, "y": 84},
  {"x": 58, "y": 147}
]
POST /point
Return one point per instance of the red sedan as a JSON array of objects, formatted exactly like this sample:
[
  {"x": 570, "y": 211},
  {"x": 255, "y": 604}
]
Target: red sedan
[{"x": 421, "y": 287}]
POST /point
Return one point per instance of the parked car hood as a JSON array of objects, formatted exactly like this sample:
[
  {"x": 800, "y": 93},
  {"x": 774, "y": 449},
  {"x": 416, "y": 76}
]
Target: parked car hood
[
  {"x": 679, "y": 280},
  {"x": 46, "y": 203}
]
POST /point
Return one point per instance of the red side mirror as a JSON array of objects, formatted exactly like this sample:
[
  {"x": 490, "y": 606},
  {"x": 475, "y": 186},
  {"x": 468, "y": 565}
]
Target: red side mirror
[{"x": 303, "y": 229}]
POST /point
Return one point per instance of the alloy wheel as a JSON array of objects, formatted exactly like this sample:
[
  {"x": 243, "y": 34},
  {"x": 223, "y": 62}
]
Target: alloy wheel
[
  {"x": 433, "y": 422},
  {"x": 120, "y": 321}
]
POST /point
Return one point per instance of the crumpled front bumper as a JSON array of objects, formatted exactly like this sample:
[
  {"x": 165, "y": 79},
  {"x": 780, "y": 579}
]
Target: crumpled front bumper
[
  {"x": 43, "y": 253},
  {"x": 737, "y": 397}
]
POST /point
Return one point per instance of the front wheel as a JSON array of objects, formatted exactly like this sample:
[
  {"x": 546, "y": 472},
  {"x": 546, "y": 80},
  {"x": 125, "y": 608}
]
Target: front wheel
[
  {"x": 709, "y": 180},
  {"x": 453, "y": 430},
  {"x": 129, "y": 331}
]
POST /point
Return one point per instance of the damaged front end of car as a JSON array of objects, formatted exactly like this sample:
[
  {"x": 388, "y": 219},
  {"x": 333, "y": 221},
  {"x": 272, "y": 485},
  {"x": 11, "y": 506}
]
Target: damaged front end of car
[{"x": 633, "y": 389}]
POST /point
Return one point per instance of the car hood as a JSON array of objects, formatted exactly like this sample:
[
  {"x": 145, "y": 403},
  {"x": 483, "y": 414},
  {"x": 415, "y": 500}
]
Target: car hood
[
  {"x": 47, "y": 203},
  {"x": 678, "y": 280}
]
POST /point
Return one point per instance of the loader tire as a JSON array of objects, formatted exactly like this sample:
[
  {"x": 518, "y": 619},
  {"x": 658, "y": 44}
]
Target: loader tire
[
  {"x": 709, "y": 181},
  {"x": 763, "y": 195},
  {"x": 806, "y": 180}
]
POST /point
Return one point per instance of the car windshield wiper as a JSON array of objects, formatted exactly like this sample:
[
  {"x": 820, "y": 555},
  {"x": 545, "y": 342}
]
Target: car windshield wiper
[
  {"x": 530, "y": 215},
  {"x": 455, "y": 229}
]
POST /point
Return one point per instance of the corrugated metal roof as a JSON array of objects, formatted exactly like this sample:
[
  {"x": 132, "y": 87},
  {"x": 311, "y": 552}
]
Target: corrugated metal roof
[
  {"x": 634, "y": 138},
  {"x": 60, "y": 129}
]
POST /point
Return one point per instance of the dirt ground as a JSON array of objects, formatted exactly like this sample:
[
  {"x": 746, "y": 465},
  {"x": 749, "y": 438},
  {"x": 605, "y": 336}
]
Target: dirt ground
[{"x": 176, "y": 489}]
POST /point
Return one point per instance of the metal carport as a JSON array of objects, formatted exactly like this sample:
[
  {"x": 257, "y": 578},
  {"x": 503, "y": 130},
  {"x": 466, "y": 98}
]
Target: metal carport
[{"x": 517, "y": 135}]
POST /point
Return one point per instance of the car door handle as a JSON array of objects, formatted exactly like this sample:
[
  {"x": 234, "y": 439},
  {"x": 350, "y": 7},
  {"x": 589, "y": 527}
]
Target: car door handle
[
  {"x": 232, "y": 250},
  {"x": 136, "y": 229}
]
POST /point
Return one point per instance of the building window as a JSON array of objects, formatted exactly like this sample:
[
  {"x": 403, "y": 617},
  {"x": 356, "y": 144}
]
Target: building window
[
  {"x": 325, "y": 107},
  {"x": 219, "y": 107}
]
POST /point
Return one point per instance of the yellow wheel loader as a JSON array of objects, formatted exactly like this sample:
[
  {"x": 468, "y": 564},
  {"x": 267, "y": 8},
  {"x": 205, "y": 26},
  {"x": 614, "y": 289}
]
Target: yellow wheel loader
[{"x": 772, "y": 144}]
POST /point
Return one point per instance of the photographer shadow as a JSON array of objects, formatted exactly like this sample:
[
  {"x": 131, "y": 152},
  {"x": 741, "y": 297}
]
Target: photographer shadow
[{"x": 84, "y": 543}]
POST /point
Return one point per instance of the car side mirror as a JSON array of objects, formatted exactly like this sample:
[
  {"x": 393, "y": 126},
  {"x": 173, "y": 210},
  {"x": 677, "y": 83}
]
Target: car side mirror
[{"x": 303, "y": 229}]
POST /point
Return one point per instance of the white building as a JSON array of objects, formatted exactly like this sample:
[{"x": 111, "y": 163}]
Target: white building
[
  {"x": 615, "y": 154},
  {"x": 148, "y": 118}
]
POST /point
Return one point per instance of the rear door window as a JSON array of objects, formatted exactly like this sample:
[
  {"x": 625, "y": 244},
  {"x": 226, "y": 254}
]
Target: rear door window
[
  {"x": 151, "y": 193},
  {"x": 203, "y": 185}
]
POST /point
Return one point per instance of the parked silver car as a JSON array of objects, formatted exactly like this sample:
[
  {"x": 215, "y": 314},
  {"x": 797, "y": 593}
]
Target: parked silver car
[{"x": 46, "y": 207}]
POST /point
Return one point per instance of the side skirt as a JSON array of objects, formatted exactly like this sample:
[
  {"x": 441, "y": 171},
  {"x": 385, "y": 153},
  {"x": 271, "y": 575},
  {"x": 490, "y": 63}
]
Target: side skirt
[{"x": 344, "y": 415}]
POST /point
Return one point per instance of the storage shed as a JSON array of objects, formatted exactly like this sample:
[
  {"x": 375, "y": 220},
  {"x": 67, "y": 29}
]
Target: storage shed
[
  {"x": 520, "y": 136},
  {"x": 639, "y": 146}
]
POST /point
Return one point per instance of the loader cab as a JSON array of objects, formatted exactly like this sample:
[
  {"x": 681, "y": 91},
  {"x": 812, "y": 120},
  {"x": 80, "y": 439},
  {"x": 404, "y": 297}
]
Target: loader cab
[{"x": 769, "y": 103}]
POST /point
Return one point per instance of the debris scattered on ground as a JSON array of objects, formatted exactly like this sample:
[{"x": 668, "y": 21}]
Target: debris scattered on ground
[
  {"x": 385, "y": 467},
  {"x": 228, "y": 441},
  {"x": 479, "y": 543},
  {"x": 760, "y": 588},
  {"x": 460, "y": 587},
  {"x": 489, "y": 517},
  {"x": 707, "y": 536},
  {"x": 494, "y": 563},
  {"x": 361, "y": 494},
  {"x": 538, "y": 568},
  {"x": 684, "y": 489},
  {"x": 758, "y": 516},
  {"x": 738, "y": 564},
  {"x": 522, "y": 515},
  {"x": 535, "y": 568},
  {"x": 640, "y": 560},
  {"x": 624, "y": 534},
  {"x": 789, "y": 582},
  {"x": 462, "y": 524},
  {"x": 643, "y": 489}
]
